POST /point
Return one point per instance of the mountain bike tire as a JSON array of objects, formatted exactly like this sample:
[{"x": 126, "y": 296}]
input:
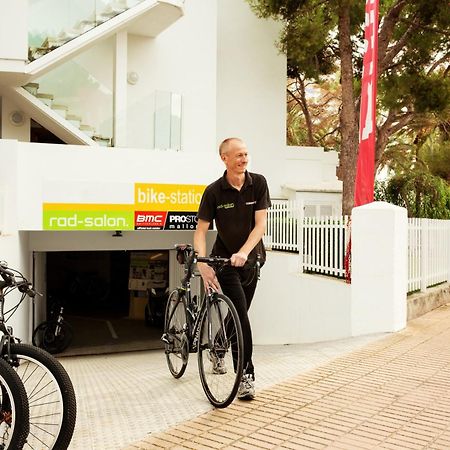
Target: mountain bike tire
[
  {"x": 14, "y": 412},
  {"x": 227, "y": 343},
  {"x": 51, "y": 397},
  {"x": 175, "y": 334}
]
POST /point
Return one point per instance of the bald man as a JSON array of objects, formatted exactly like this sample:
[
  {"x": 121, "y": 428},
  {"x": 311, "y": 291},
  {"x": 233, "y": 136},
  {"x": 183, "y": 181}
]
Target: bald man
[{"x": 238, "y": 203}]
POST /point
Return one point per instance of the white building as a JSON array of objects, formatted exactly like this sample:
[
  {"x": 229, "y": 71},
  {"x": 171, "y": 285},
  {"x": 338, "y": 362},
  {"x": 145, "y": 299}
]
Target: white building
[{"x": 111, "y": 115}]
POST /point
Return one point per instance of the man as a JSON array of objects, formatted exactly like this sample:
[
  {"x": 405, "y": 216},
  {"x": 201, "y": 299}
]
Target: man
[{"x": 238, "y": 202}]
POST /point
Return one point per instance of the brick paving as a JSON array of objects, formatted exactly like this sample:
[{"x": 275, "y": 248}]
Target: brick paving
[{"x": 393, "y": 393}]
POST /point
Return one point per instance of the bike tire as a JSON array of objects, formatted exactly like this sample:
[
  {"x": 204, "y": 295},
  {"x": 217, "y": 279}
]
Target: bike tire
[
  {"x": 175, "y": 333},
  {"x": 51, "y": 397},
  {"x": 228, "y": 343},
  {"x": 14, "y": 413},
  {"x": 44, "y": 336}
]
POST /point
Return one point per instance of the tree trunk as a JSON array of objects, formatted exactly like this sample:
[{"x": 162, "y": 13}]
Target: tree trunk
[
  {"x": 305, "y": 110},
  {"x": 348, "y": 119}
]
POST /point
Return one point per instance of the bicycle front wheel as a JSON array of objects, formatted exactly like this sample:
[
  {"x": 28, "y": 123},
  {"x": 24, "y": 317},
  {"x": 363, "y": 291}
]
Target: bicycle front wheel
[
  {"x": 220, "y": 351},
  {"x": 51, "y": 397},
  {"x": 175, "y": 334},
  {"x": 14, "y": 414}
]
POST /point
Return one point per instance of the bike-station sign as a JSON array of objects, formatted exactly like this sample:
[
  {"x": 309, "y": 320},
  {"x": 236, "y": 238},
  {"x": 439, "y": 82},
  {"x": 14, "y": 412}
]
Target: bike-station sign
[{"x": 155, "y": 207}]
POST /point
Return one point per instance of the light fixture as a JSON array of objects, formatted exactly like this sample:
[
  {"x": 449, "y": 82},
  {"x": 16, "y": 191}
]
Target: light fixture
[
  {"x": 117, "y": 233},
  {"x": 132, "y": 78},
  {"x": 17, "y": 118}
]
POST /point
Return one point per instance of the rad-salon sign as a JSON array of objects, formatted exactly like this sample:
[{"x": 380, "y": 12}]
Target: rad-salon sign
[{"x": 155, "y": 207}]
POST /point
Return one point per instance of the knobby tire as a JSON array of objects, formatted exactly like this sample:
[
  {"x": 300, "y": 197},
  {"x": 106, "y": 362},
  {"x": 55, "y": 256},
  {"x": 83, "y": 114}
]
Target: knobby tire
[
  {"x": 14, "y": 413},
  {"x": 31, "y": 360}
]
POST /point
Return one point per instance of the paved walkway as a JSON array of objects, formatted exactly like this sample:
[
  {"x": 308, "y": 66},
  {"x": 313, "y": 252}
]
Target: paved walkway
[
  {"x": 123, "y": 397},
  {"x": 393, "y": 393}
]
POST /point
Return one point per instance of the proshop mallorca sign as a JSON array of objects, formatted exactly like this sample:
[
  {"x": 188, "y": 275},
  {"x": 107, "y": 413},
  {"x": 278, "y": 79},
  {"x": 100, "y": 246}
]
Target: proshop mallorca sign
[{"x": 155, "y": 207}]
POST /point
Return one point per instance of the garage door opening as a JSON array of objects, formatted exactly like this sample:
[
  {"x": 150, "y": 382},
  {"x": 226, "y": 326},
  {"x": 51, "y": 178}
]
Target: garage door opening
[{"x": 114, "y": 300}]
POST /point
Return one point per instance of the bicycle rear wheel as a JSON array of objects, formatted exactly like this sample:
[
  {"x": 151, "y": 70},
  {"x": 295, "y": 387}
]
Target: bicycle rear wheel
[
  {"x": 51, "y": 397},
  {"x": 175, "y": 334},
  {"x": 224, "y": 342},
  {"x": 14, "y": 413},
  {"x": 44, "y": 336}
]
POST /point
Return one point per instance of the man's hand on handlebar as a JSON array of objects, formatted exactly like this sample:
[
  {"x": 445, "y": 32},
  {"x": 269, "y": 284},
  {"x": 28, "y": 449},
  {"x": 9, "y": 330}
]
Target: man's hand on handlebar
[{"x": 238, "y": 259}]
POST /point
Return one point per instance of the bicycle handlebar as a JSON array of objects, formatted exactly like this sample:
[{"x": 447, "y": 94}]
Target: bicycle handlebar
[
  {"x": 191, "y": 258},
  {"x": 9, "y": 280}
]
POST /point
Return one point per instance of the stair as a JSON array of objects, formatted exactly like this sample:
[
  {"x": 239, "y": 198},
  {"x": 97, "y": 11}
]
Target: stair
[
  {"x": 63, "y": 111},
  {"x": 53, "y": 42}
]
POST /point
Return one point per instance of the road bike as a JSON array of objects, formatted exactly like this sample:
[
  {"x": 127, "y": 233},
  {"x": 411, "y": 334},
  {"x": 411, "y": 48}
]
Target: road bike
[
  {"x": 14, "y": 410},
  {"x": 53, "y": 335},
  {"x": 51, "y": 397},
  {"x": 210, "y": 327}
]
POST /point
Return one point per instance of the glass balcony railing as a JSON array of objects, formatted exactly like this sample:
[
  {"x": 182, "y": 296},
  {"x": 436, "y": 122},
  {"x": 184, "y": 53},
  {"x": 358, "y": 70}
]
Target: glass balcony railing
[
  {"x": 154, "y": 122},
  {"x": 52, "y": 23},
  {"x": 81, "y": 91}
]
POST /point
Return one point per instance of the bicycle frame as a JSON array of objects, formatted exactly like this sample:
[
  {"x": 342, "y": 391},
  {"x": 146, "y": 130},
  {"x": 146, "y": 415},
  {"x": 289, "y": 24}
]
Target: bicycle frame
[{"x": 6, "y": 330}]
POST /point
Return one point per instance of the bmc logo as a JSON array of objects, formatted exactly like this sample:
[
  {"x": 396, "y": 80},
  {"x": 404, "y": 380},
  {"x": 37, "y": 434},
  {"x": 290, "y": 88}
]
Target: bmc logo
[{"x": 149, "y": 220}]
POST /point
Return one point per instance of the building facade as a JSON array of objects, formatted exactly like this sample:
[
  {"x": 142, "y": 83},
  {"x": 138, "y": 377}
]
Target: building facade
[{"x": 111, "y": 116}]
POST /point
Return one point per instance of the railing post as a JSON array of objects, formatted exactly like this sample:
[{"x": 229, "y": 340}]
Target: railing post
[
  {"x": 299, "y": 207},
  {"x": 424, "y": 245},
  {"x": 379, "y": 268}
]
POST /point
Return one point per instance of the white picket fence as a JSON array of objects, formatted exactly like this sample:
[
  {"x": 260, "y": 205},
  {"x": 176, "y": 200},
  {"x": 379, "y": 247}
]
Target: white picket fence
[
  {"x": 324, "y": 241},
  {"x": 428, "y": 253}
]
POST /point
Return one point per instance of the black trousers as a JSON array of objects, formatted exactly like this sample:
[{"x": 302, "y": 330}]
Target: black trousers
[{"x": 239, "y": 285}]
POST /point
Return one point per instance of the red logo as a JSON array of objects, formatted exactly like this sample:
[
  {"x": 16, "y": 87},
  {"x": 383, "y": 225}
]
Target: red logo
[{"x": 149, "y": 220}]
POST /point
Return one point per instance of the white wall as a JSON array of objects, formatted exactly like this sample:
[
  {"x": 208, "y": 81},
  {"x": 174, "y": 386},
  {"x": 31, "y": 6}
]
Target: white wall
[
  {"x": 251, "y": 86},
  {"x": 292, "y": 308},
  {"x": 9, "y": 128},
  {"x": 182, "y": 59},
  {"x": 13, "y": 244}
]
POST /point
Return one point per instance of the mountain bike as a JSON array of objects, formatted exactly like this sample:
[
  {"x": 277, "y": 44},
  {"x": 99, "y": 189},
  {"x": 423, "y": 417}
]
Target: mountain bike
[
  {"x": 51, "y": 397},
  {"x": 53, "y": 335},
  {"x": 210, "y": 327},
  {"x": 14, "y": 412}
]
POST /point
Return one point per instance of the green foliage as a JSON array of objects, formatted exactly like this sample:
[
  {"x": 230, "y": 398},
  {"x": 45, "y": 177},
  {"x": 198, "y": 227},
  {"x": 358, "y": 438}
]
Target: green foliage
[
  {"x": 420, "y": 163},
  {"x": 421, "y": 193},
  {"x": 310, "y": 40},
  {"x": 438, "y": 160},
  {"x": 425, "y": 92}
]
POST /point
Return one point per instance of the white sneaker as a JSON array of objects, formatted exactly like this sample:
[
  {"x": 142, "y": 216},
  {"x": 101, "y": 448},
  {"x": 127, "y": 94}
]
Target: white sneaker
[
  {"x": 246, "y": 390},
  {"x": 218, "y": 364}
]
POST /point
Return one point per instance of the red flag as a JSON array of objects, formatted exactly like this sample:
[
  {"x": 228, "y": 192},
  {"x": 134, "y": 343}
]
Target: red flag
[{"x": 364, "y": 183}]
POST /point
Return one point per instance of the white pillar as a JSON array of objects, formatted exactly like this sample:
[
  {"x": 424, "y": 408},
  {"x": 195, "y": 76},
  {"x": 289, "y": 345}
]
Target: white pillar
[
  {"x": 120, "y": 89},
  {"x": 13, "y": 243},
  {"x": 13, "y": 35},
  {"x": 379, "y": 268}
]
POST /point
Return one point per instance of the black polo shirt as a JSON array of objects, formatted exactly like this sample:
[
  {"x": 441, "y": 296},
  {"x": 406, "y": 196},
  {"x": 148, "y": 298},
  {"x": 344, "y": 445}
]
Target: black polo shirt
[{"x": 234, "y": 212}]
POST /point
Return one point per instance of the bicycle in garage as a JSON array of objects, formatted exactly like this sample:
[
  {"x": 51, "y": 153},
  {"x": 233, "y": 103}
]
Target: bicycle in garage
[
  {"x": 54, "y": 335},
  {"x": 50, "y": 393},
  {"x": 210, "y": 327}
]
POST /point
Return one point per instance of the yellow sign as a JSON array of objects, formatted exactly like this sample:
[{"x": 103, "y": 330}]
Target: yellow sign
[{"x": 167, "y": 197}]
